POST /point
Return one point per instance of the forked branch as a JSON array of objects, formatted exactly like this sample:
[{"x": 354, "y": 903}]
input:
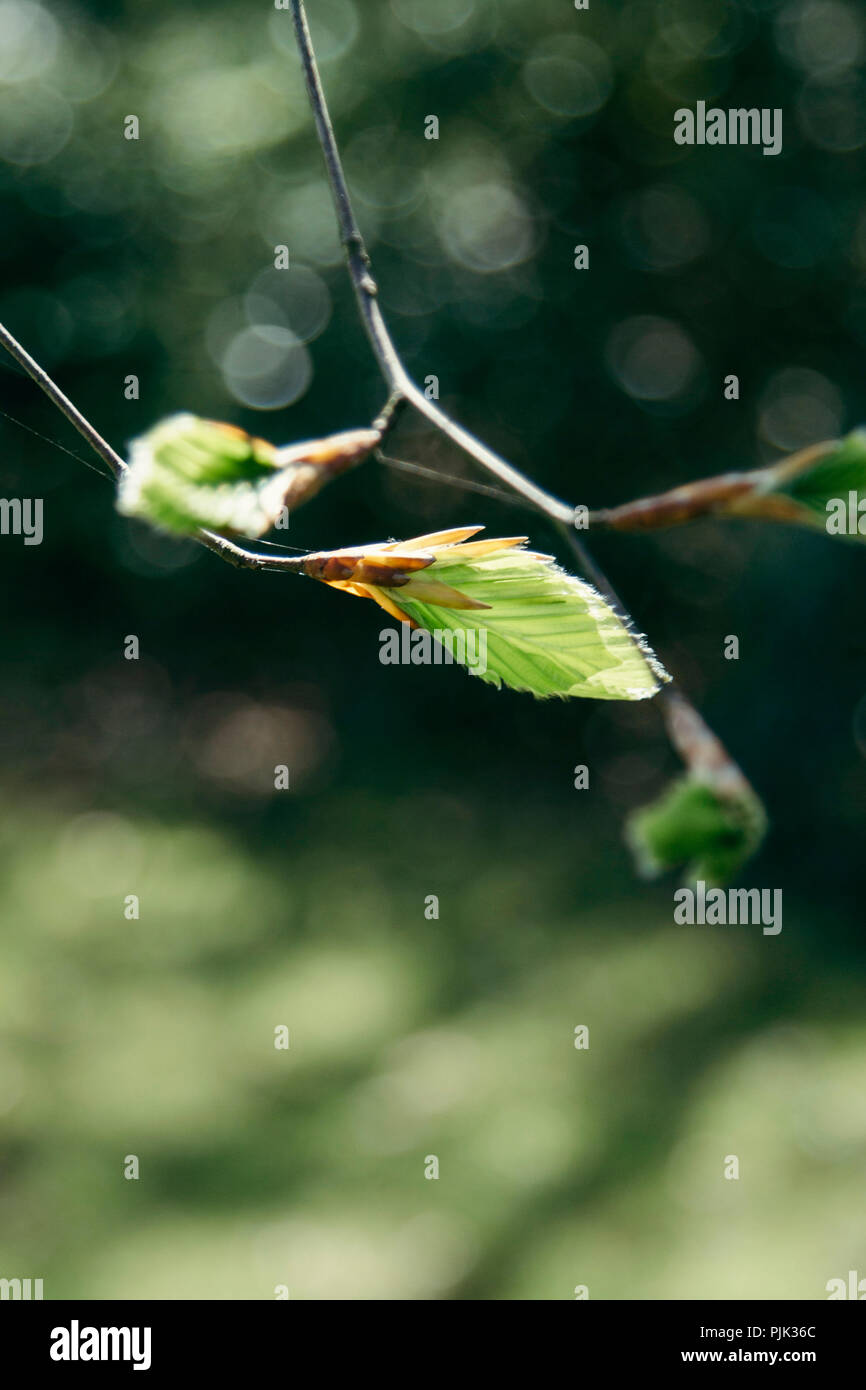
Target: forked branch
[
  {"x": 402, "y": 391},
  {"x": 402, "y": 385}
]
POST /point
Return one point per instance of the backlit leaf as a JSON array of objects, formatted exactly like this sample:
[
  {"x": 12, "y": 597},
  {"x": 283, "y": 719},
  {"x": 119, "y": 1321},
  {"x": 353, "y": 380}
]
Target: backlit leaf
[
  {"x": 693, "y": 825},
  {"x": 188, "y": 473},
  {"x": 540, "y": 629}
]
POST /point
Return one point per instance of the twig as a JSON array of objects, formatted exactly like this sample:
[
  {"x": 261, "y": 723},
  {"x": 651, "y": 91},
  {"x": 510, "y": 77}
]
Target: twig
[
  {"x": 390, "y": 363},
  {"x": 466, "y": 484},
  {"x": 235, "y": 554},
  {"x": 751, "y": 493},
  {"x": 63, "y": 403},
  {"x": 401, "y": 384},
  {"x": 366, "y": 293},
  {"x": 402, "y": 389}
]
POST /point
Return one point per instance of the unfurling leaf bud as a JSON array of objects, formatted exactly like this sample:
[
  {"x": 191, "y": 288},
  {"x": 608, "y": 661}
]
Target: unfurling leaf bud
[{"x": 187, "y": 473}]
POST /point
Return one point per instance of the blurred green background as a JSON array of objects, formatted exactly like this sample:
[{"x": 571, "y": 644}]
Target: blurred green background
[{"x": 412, "y": 1037}]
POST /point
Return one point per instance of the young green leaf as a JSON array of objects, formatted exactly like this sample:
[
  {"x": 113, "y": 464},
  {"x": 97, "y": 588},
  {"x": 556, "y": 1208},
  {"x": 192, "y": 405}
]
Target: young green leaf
[
  {"x": 188, "y": 473},
  {"x": 823, "y": 487},
  {"x": 696, "y": 825},
  {"x": 542, "y": 630}
]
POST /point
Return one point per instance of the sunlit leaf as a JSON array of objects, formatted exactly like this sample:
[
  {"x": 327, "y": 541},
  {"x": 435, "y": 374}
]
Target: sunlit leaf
[
  {"x": 540, "y": 629},
  {"x": 188, "y": 473},
  {"x": 692, "y": 824}
]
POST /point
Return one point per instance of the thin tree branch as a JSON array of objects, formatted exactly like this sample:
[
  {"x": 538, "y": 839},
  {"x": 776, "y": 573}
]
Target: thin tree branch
[
  {"x": 99, "y": 445},
  {"x": 366, "y": 293},
  {"x": 390, "y": 362},
  {"x": 235, "y": 554},
  {"x": 402, "y": 390},
  {"x": 420, "y": 470},
  {"x": 401, "y": 384},
  {"x": 238, "y": 556}
]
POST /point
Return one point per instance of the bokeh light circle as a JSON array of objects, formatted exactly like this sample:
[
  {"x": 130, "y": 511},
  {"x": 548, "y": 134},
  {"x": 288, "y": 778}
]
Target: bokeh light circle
[{"x": 266, "y": 367}]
